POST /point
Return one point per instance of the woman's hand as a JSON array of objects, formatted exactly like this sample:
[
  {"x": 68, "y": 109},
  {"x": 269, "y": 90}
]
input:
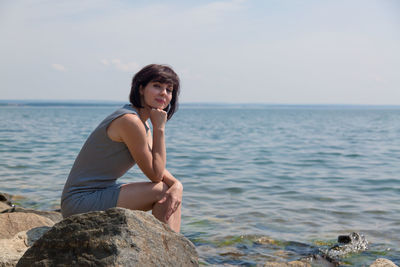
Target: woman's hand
[
  {"x": 172, "y": 198},
  {"x": 158, "y": 118}
]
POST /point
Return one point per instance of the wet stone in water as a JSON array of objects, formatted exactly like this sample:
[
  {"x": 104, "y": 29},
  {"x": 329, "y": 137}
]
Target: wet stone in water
[{"x": 352, "y": 243}]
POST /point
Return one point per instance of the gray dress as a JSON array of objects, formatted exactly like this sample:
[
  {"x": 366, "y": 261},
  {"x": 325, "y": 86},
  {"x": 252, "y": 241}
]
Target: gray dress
[{"x": 91, "y": 184}]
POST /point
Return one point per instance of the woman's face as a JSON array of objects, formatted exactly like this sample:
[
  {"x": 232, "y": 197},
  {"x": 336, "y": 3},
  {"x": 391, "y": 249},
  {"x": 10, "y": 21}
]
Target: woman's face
[{"x": 156, "y": 95}]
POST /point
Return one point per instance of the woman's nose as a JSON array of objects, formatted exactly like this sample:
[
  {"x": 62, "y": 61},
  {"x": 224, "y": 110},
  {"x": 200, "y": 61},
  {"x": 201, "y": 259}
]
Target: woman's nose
[{"x": 164, "y": 90}]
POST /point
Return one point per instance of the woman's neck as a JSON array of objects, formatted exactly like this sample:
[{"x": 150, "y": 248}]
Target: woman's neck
[{"x": 144, "y": 114}]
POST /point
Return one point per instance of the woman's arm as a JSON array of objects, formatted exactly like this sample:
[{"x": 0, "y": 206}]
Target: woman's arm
[
  {"x": 171, "y": 180},
  {"x": 173, "y": 196},
  {"x": 167, "y": 176},
  {"x": 130, "y": 130}
]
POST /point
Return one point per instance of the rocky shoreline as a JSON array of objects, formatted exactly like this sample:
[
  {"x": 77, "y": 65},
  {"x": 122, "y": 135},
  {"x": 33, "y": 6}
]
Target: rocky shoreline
[{"x": 116, "y": 237}]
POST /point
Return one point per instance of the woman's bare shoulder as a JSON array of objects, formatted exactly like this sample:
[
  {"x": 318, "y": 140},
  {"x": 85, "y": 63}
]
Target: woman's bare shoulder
[{"x": 124, "y": 126}]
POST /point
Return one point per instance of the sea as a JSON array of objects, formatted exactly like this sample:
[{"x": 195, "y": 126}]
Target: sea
[{"x": 261, "y": 182}]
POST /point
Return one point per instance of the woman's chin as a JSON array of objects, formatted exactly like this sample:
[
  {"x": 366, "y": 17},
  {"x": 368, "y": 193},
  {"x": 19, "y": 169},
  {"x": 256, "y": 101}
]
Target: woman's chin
[
  {"x": 160, "y": 106},
  {"x": 156, "y": 105}
]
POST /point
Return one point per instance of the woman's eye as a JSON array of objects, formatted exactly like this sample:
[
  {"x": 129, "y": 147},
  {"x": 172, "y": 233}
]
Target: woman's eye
[{"x": 169, "y": 90}]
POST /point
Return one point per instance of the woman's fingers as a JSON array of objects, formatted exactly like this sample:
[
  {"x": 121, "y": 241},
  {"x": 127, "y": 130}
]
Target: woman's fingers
[
  {"x": 172, "y": 207},
  {"x": 162, "y": 200},
  {"x": 158, "y": 118}
]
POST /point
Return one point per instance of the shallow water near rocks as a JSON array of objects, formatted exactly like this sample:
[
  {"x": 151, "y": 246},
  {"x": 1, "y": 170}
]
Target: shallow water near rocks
[{"x": 261, "y": 183}]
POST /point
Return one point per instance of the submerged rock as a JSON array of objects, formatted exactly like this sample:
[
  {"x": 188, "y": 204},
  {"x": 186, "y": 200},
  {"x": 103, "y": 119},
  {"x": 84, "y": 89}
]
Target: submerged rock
[{"x": 115, "y": 237}]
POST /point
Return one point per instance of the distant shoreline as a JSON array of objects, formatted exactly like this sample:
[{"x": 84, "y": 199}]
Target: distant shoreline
[{"x": 100, "y": 103}]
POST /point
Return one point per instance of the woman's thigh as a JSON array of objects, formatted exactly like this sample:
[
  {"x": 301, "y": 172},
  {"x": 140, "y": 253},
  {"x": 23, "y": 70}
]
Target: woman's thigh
[
  {"x": 141, "y": 196},
  {"x": 96, "y": 200}
]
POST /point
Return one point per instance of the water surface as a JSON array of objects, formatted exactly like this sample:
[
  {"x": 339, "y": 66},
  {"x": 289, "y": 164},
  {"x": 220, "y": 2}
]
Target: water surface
[{"x": 261, "y": 183}]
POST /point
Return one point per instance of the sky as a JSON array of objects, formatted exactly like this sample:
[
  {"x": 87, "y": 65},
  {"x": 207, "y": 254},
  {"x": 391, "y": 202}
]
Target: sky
[{"x": 228, "y": 51}]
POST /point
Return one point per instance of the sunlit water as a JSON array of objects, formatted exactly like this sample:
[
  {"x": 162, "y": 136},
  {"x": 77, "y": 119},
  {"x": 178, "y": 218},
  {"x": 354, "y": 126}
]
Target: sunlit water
[{"x": 265, "y": 183}]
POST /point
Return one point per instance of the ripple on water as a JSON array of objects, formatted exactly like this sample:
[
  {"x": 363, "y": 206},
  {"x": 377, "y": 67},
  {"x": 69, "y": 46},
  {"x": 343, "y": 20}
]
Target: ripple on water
[
  {"x": 234, "y": 190},
  {"x": 18, "y": 167},
  {"x": 353, "y": 156},
  {"x": 262, "y": 161},
  {"x": 48, "y": 161}
]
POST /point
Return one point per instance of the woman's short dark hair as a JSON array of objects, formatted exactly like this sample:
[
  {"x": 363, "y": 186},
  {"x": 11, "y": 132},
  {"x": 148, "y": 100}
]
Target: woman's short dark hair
[{"x": 155, "y": 73}]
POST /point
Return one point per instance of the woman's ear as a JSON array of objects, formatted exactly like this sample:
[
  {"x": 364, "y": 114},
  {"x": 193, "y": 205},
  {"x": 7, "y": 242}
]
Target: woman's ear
[{"x": 141, "y": 89}]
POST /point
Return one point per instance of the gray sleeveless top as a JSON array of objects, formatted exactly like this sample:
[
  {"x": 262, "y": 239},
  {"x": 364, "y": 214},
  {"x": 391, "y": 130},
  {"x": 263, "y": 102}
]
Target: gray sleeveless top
[{"x": 101, "y": 161}]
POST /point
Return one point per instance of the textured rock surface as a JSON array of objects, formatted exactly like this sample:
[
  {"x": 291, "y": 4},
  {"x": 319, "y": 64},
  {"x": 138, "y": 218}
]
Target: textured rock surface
[
  {"x": 11, "y": 250},
  {"x": 5, "y": 198},
  {"x": 5, "y": 201},
  {"x": 353, "y": 243},
  {"x": 52, "y": 215},
  {"x": 287, "y": 264},
  {"x": 4, "y": 206},
  {"x": 383, "y": 263},
  {"x": 116, "y": 237},
  {"x": 15, "y": 222}
]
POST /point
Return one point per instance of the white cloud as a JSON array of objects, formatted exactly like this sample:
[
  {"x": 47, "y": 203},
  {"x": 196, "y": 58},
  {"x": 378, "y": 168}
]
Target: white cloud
[
  {"x": 58, "y": 67},
  {"x": 121, "y": 66}
]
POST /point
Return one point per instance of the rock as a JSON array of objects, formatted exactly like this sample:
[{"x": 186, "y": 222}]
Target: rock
[
  {"x": 4, "y": 206},
  {"x": 352, "y": 243},
  {"x": 322, "y": 260},
  {"x": 15, "y": 222},
  {"x": 115, "y": 237},
  {"x": 5, "y": 198},
  {"x": 12, "y": 249},
  {"x": 287, "y": 264},
  {"x": 52, "y": 215},
  {"x": 383, "y": 263}
]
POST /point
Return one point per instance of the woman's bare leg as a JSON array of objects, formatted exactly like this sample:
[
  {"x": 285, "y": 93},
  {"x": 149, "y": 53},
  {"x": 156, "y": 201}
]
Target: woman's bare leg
[
  {"x": 141, "y": 196},
  {"x": 144, "y": 196},
  {"x": 174, "y": 221}
]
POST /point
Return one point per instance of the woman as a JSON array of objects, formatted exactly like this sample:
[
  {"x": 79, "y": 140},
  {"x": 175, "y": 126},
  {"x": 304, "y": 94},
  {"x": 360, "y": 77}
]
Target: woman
[{"x": 122, "y": 140}]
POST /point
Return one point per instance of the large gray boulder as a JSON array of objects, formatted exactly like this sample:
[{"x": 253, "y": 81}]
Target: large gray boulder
[{"x": 116, "y": 237}]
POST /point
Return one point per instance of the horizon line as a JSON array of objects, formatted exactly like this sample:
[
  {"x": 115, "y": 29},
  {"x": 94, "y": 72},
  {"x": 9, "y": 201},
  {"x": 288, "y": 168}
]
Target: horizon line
[{"x": 118, "y": 102}]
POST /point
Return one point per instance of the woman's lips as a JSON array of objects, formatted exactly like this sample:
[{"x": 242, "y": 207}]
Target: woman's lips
[{"x": 160, "y": 101}]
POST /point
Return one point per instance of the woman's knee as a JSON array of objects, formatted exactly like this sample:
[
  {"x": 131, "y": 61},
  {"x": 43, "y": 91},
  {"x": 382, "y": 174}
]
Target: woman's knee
[
  {"x": 179, "y": 187},
  {"x": 160, "y": 189}
]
